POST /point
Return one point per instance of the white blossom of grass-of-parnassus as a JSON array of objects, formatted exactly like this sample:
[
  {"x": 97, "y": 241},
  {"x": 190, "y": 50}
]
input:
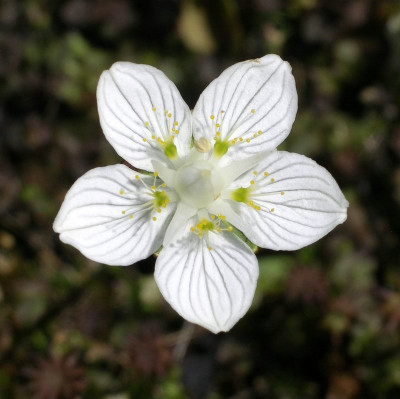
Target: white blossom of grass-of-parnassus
[{"x": 205, "y": 176}]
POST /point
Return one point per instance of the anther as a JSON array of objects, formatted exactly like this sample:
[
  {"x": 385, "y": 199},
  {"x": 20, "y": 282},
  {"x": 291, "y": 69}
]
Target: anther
[{"x": 121, "y": 191}]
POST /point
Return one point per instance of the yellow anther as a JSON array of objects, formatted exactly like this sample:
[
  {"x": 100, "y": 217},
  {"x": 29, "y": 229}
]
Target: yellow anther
[
  {"x": 123, "y": 212},
  {"x": 147, "y": 123},
  {"x": 251, "y": 181},
  {"x": 272, "y": 209},
  {"x": 212, "y": 216},
  {"x": 222, "y": 111},
  {"x": 266, "y": 174},
  {"x": 282, "y": 193},
  {"x": 253, "y": 110},
  {"x": 137, "y": 177},
  {"x": 212, "y": 117},
  {"x": 259, "y": 132},
  {"x": 163, "y": 185},
  {"x": 121, "y": 191},
  {"x": 159, "y": 210},
  {"x": 240, "y": 138},
  {"x": 176, "y": 131},
  {"x": 217, "y": 125},
  {"x": 230, "y": 228},
  {"x": 218, "y": 133},
  {"x": 144, "y": 140},
  {"x": 153, "y": 137},
  {"x": 153, "y": 187},
  {"x": 219, "y": 229},
  {"x": 214, "y": 138},
  {"x": 256, "y": 207},
  {"x": 176, "y": 123},
  {"x": 154, "y": 110},
  {"x": 166, "y": 112},
  {"x": 209, "y": 248},
  {"x": 202, "y": 145},
  {"x": 255, "y": 173},
  {"x": 192, "y": 229},
  {"x": 169, "y": 115},
  {"x": 130, "y": 216},
  {"x": 255, "y": 135},
  {"x": 155, "y": 174},
  {"x": 272, "y": 180},
  {"x": 154, "y": 218},
  {"x": 247, "y": 140}
]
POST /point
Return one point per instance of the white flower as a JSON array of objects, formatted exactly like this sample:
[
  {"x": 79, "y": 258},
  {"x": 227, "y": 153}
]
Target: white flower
[{"x": 213, "y": 171}]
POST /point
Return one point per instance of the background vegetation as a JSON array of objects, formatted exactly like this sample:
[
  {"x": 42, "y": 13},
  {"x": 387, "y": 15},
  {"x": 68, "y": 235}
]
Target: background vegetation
[{"x": 325, "y": 322}]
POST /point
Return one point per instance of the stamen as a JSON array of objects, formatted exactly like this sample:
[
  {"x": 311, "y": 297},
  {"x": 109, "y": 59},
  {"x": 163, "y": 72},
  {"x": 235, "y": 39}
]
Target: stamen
[{"x": 160, "y": 198}]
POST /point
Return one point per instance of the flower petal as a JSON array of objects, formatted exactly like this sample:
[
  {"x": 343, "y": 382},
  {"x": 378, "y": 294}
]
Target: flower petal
[
  {"x": 107, "y": 215},
  {"x": 287, "y": 202},
  {"x": 141, "y": 113},
  {"x": 210, "y": 287},
  {"x": 252, "y": 103}
]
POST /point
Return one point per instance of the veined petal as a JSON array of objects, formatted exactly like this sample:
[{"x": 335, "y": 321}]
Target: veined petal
[
  {"x": 249, "y": 108},
  {"x": 286, "y": 202},
  {"x": 111, "y": 215},
  {"x": 142, "y": 114},
  {"x": 210, "y": 287}
]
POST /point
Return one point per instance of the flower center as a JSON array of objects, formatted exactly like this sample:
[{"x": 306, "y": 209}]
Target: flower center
[{"x": 198, "y": 183}]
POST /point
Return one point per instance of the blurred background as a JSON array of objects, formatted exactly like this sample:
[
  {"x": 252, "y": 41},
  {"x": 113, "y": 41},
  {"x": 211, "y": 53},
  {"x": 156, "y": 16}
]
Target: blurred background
[{"x": 325, "y": 321}]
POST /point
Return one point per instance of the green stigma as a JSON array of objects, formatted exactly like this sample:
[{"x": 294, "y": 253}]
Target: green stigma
[
  {"x": 241, "y": 194},
  {"x": 220, "y": 147},
  {"x": 205, "y": 225},
  {"x": 160, "y": 199},
  {"x": 170, "y": 150}
]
